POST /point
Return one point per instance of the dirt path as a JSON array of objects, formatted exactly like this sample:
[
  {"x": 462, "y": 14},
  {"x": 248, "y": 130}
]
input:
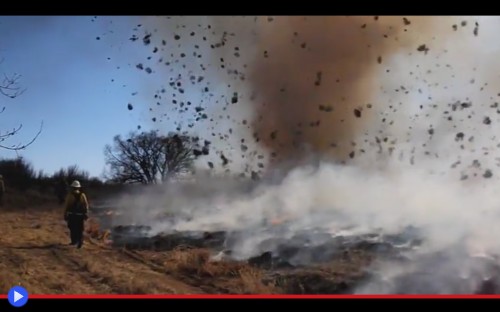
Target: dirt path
[{"x": 34, "y": 253}]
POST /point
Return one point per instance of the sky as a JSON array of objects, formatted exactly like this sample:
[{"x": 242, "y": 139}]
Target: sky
[{"x": 79, "y": 75}]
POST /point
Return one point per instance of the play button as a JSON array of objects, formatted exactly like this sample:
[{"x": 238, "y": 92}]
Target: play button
[{"x": 18, "y": 296}]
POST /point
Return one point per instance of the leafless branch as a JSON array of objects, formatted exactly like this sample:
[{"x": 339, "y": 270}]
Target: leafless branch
[
  {"x": 19, "y": 146},
  {"x": 10, "y": 86},
  {"x": 10, "y": 133}
]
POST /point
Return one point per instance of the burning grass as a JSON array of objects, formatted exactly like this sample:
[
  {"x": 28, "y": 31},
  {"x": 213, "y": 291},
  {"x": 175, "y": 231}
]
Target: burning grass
[
  {"x": 195, "y": 265},
  {"x": 340, "y": 276},
  {"x": 94, "y": 231},
  {"x": 236, "y": 277},
  {"x": 335, "y": 267}
]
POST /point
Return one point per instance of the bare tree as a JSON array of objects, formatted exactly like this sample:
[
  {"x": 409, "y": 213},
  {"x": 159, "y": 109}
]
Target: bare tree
[
  {"x": 148, "y": 158},
  {"x": 10, "y": 88}
]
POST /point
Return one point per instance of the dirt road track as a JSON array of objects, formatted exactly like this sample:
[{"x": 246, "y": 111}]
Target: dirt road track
[{"x": 34, "y": 253}]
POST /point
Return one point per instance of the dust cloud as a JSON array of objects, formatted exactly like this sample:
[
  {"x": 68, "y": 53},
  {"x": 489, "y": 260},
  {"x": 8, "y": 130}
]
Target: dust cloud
[{"x": 400, "y": 116}]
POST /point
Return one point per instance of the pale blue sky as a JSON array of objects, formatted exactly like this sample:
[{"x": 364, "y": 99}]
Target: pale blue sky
[{"x": 68, "y": 76}]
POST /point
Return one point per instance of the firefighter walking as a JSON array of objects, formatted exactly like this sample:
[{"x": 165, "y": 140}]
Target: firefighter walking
[{"x": 76, "y": 210}]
